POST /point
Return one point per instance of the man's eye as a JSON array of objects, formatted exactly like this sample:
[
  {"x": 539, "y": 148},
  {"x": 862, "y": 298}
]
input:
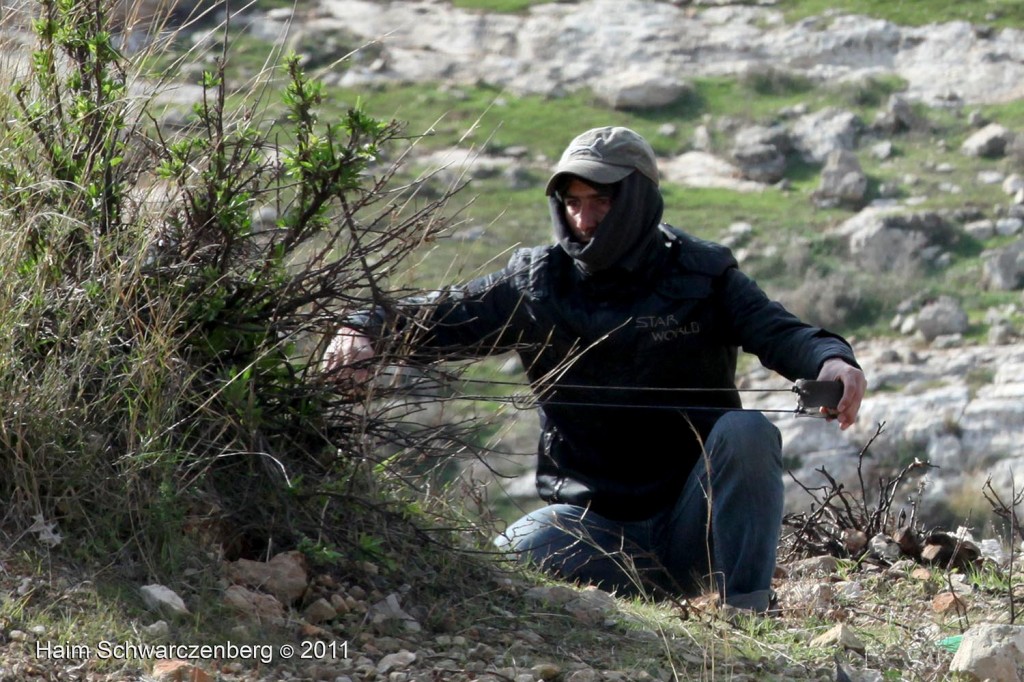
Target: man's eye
[
  {"x": 573, "y": 204},
  {"x": 603, "y": 202}
]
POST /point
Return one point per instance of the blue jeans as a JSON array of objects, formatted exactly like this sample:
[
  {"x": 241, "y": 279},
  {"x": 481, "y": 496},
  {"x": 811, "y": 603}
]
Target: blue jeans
[{"x": 723, "y": 530}]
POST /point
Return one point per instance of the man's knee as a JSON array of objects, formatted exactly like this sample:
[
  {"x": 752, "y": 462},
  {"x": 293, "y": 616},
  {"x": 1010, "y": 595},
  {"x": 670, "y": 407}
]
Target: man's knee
[
  {"x": 747, "y": 440},
  {"x": 543, "y": 531}
]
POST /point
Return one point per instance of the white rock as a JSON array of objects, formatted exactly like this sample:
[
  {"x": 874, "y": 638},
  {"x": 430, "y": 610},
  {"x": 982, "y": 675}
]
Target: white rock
[
  {"x": 981, "y": 229},
  {"x": 701, "y": 169},
  {"x": 639, "y": 89},
  {"x": 991, "y": 652},
  {"x": 842, "y": 178},
  {"x": 1009, "y": 226},
  {"x": 390, "y": 608},
  {"x": 1013, "y": 183},
  {"x": 157, "y": 630},
  {"x": 556, "y": 47},
  {"x": 396, "y": 661},
  {"x": 990, "y": 177},
  {"x": 943, "y": 317},
  {"x": 163, "y": 600},
  {"x": 990, "y": 141},
  {"x": 818, "y": 134}
]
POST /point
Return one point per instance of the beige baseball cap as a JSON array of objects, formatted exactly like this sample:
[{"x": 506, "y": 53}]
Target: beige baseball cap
[{"x": 606, "y": 155}]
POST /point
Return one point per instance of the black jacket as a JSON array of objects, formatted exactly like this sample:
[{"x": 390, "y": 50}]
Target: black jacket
[{"x": 594, "y": 345}]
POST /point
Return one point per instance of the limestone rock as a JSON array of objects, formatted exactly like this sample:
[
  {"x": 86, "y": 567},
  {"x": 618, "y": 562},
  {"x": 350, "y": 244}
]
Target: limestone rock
[
  {"x": 555, "y": 594},
  {"x": 818, "y": 567},
  {"x": 284, "y": 576},
  {"x": 546, "y": 671},
  {"x": 701, "y": 169},
  {"x": 884, "y": 547},
  {"x": 591, "y": 606},
  {"x": 639, "y": 89},
  {"x": 1003, "y": 269},
  {"x": 396, "y": 661},
  {"x": 840, "y": 636},
  {"x": 760, "y": 152},
  {"x": 899, "y": 116},
  {"x": 818, "y": 134},
  {"x": 258, "y": 606},
  {"x": 157, "y": 630},
  {"x": 842, "y": 180},
  {"x": 887, "y": 239},
  {"x": 760, "y": 163},
  {"x": 990, "y": 141},
  {"x": 163, "y": 600},
  {"x": 942, "y": 317},
  {"x": 554, "y": 48},
  {"x": 390, "y": 609},
  {"x": 1013, "y": 183},
  {"x": 991, "y": 652}
]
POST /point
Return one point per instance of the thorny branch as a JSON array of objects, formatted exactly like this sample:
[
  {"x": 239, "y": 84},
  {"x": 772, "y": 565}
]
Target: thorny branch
[
  {"x": 1007, "y": 511},
  {"x": 837, "y": 512}
]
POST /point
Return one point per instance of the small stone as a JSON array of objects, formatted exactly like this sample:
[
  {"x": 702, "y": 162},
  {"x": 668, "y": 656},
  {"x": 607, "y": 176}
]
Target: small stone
[
  {"x": 806, "y": 597},
  {"x": 840, "y": 635},
  {"x": 254, "y": 604},
  {"x": 814, "y": 567},
  {"x": 179, "y": 671},
  {"x": 481, "y": 652},
  {"x": 397, "y": 661},
  {"x": 850, "y": 590},
  {"x": 556, "y": 594},
  {"x": 921, "y": 573},
  {"x": 164, "y": 600},
  {"x": 546, "y": 671},
  {"x": 320, "y": 611},
  {"x": 946, "y": 602},
  {"x": 884, "y": 547},
  {"x": 339, "y": 604},
  {"x": 855, "y": 541},
  {"x": 389, "y": 609},
  {"x": 284, "y": 576},
  {"x": 156, "y": 630}
]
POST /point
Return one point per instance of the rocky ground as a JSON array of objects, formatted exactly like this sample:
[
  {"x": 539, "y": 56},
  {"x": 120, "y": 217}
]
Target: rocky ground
[
  {"x": 645, "y": 56},
  {"x": 889, "y": 617}
]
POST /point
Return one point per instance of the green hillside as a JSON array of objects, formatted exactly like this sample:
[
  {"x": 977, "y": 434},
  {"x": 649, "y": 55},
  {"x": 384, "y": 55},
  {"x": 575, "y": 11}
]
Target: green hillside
[{"x": 173, "y": 272}]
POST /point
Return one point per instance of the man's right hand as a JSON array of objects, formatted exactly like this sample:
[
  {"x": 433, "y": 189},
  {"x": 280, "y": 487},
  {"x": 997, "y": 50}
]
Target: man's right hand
[{"x": 345, "y": 356}]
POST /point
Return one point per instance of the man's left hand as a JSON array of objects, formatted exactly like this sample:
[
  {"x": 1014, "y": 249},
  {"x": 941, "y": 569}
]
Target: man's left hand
[{"x": 854, "y": 386}]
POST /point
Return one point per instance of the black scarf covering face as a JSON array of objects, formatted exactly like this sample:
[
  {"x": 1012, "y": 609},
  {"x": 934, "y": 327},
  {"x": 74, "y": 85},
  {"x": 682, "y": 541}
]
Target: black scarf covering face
[{"x": 625, "y": 235}]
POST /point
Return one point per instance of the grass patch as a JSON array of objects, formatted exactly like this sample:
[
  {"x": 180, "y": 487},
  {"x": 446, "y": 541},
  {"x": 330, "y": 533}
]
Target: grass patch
[
  {"x": 503, "y": 6},
  {"x": 1001, "y": 13}
]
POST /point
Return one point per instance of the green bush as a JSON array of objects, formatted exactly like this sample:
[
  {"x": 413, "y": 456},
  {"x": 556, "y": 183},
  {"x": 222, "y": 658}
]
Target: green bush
[{"x": 165, "y": 297}]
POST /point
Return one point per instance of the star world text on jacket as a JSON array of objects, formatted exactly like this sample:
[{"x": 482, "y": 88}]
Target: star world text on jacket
[{"x": 666, "y": 328}]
